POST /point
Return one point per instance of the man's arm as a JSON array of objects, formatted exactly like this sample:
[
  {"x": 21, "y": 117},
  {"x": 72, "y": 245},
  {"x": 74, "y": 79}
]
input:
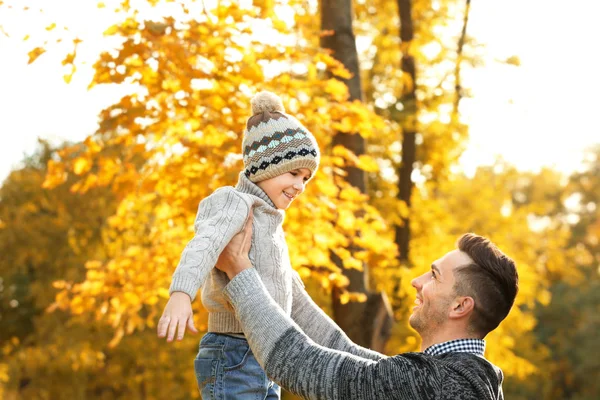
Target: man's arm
[
  {"x": 297, "y": 363},
  {"x": 311, "y": 371},
  {"x": 287, "y": 355},
  {"x": 320, "y": 327}
]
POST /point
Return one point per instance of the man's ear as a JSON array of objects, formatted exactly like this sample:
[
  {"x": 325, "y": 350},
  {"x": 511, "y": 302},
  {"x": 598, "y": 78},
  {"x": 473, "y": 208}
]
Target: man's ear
[{"x": 462, "y": 307}]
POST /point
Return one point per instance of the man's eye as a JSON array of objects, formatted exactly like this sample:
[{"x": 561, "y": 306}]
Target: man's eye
[{"x": 294, "y": 173}]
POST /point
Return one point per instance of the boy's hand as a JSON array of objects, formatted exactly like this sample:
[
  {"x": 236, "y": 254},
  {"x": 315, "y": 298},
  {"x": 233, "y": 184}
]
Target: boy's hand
[
  {"x": 234, "y": 258},
  {"x": 178, "y": 313}
]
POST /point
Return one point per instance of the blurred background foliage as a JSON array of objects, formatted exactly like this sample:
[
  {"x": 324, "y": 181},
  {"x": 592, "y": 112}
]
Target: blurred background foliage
[{"x": 91, "y": 232}]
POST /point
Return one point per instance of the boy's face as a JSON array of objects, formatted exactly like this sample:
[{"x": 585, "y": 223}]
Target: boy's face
[{"x": 284, "y": 188}]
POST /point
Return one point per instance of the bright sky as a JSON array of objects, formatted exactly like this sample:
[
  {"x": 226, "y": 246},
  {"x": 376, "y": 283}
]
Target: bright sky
[{"x": 542, "y": 113}]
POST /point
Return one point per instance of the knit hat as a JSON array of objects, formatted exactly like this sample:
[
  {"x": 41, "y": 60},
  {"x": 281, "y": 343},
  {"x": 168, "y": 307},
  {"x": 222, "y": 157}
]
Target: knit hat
[{"x": 275, "y": 142}]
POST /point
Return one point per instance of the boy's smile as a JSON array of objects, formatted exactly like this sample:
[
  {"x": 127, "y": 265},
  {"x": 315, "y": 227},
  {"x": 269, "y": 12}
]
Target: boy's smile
[{"x": 284, "y": 188}]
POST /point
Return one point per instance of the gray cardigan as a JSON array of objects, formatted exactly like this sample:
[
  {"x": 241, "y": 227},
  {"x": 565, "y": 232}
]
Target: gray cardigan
[{"x": 312, "y": 370}]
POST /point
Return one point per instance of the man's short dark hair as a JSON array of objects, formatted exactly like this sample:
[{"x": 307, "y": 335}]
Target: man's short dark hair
[{"x": 491, "y": 280}]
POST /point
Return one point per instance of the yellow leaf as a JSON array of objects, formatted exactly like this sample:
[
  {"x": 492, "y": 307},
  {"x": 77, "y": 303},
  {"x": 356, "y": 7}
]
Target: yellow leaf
[
  {"x": 344, "y": 298},
  {"x": 92, "y": 146},
  {"x": 403, "y": 209},
  {"x": 116, "y": 338},
  {"x": 347, "y": 154},
  {"x": 81, "y": 165},
  {"x": 133, "y": 251},
  {"x": 93, "y": 264},
  {"x": 358, "y": 297},
  {"x": 131, "y": 298},
  {"x": 337, "y": 89},
  {"x": 51, "y": 27},
  {"x": 55, "y": 176},
  {"x": 304, "y": 272},
  {"x": 68, "y": 76},
  {"x": 111, "y": 30},
  {"x": 346, "y": 219},
  {"x": 69, "y": 58},
  {"x": 367, "y": 163},
  {"x": 35, "y": 53},
  {"x": 318, "y": 257},
  {"x": 353, "y": 263},
  {"x": 341, "y": 71}
]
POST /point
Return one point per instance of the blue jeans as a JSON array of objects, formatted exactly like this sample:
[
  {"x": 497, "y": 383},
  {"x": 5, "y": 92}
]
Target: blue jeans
[{"x": 227, "y": 370}]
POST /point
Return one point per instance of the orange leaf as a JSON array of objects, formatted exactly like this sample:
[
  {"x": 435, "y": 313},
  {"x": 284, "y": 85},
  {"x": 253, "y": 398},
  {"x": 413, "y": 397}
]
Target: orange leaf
[{"x": 35, "y": 53}]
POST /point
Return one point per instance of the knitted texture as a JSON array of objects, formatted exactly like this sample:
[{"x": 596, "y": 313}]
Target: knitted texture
[
  {"x": 312, "y": 371},
  {"x": 274, "y": 142},
  {"x": 320, "y": 327},
  {"x": 220, "y": 216}
]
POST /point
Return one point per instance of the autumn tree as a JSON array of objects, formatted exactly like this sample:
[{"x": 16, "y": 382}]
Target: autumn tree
[
  {"x": 47, "y": 237},
  {"x": 175, "y": 137},
  {"x": 178, "y": 136},
  {"x": 367, "y": 323},
  {"x": 568, "y": 325}
]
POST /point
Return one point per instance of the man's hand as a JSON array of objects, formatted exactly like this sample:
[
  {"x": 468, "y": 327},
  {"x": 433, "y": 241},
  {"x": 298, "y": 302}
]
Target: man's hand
[
  {"x": 178, "y": 313},
  {"x": 234, "y": 258}
]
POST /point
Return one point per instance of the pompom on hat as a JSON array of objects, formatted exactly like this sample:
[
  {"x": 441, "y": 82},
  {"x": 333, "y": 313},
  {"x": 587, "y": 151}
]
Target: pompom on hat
[{"x": 274, "y": 142}]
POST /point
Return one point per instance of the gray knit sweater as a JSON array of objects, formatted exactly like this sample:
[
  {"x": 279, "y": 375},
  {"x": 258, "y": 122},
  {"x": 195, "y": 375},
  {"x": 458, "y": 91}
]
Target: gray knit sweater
[
  {"x": 220, "y": 216},
  {"x": 313, "y": 371}
]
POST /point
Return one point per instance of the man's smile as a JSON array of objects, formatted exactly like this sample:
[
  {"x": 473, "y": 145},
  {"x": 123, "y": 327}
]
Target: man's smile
[{"x": 418, "y": 303}]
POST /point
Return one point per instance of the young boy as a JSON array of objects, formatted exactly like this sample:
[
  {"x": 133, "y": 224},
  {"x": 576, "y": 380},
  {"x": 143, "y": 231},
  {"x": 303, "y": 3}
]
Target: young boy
[{"x": 280, "y": 157}]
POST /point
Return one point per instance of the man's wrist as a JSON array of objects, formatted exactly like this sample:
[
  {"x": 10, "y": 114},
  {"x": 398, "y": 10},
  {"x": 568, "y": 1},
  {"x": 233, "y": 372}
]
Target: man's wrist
[{"x": 238, "y": 267}]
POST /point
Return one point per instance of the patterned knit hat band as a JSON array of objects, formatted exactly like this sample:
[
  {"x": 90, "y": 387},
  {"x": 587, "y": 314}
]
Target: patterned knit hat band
[{"x": 274, "y": 142}]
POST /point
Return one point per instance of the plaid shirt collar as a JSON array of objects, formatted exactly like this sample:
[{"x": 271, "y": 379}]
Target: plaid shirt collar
[{"x": 474, "y": 346}]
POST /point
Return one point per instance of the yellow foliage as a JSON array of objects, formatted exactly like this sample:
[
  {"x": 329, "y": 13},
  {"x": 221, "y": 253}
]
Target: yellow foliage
[
  {"x": 367, "y": 163},
  {"x": 338, "y": 91},
  {"x": 35, "y": 53},
  {"x": 161, "y": 150},
  {"x": 81, "y": 165}
]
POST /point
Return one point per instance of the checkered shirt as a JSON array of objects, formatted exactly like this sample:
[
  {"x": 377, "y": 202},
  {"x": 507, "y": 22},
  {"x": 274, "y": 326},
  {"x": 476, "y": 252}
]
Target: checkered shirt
[{"x": 474, "y": 346}]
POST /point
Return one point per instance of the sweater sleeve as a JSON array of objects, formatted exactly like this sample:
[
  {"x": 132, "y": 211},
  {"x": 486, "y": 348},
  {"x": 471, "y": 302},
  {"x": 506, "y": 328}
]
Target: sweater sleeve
[
  {"x": 320, "y": 327},
  {"x": 220, "y": 216},
  {"x": 310, "y": 370}
]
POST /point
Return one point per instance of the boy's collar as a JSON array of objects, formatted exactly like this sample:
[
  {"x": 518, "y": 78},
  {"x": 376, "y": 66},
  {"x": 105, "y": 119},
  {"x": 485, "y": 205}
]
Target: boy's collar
[{"x": 245, "y": 185}]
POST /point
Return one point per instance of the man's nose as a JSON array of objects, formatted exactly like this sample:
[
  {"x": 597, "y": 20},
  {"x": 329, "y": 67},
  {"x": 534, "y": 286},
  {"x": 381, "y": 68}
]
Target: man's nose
[
  {"x": 413, "y": 283},
  {"x": 416, "y": 282}
]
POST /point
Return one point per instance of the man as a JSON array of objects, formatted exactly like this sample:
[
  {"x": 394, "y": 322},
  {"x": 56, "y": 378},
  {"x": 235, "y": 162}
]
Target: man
[{"x": 467, "y": 293}]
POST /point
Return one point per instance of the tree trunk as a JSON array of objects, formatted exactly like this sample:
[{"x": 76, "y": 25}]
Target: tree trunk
[
  {"x": 409, "y": 147},
  {"x": 367, "y": 324},
  {"x": 459, "y": 52}
]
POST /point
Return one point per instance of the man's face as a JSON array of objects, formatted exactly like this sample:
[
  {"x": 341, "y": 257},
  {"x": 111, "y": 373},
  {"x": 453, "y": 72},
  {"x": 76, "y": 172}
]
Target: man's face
[
  {"x": 435, "y": 293},
  {"x": 284, "y": 188}
]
